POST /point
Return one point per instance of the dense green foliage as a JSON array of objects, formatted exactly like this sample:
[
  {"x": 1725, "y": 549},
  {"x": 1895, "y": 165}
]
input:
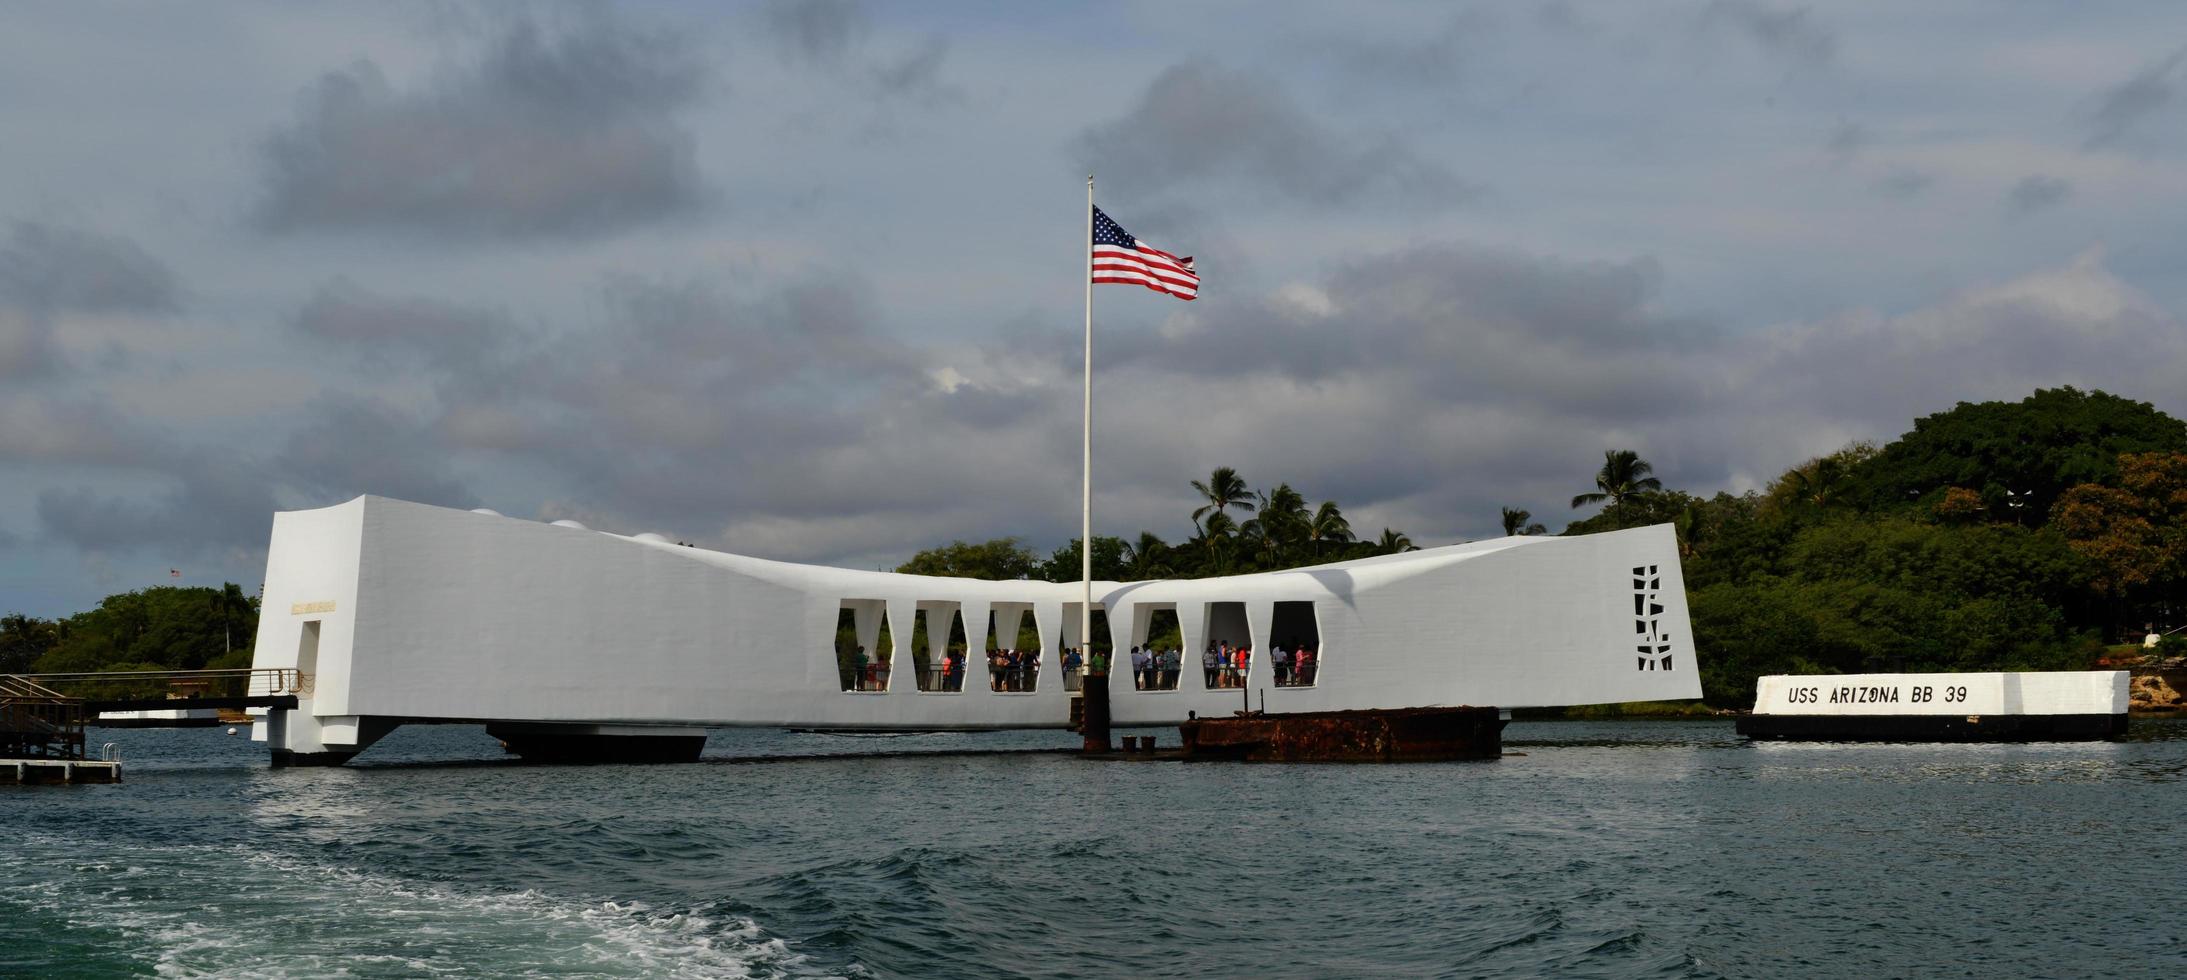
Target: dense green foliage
[
  {"x": 2018, "y": 458},
  {"x": 1282, "y": 531},
  {"x": 1942, "y": 550},
  {"x": 162, "y": 628}
]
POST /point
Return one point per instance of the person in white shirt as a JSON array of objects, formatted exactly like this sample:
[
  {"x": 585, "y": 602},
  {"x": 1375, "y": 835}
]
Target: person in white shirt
[
  {"x": 1139, "y": 668},
  {"x": 1282, "y": 659}
]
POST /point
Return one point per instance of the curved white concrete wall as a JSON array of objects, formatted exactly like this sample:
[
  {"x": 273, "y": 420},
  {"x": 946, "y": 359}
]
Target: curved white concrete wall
[{"x": 432, "y": 613}]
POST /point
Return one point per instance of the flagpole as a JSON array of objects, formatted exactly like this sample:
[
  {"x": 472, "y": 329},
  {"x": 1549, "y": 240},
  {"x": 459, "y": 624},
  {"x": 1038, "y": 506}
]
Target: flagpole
[{"x": 1085, "y": 512}]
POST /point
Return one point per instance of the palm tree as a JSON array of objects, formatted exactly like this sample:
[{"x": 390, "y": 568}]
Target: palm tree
[
  {"x": 1394, "y": 541},
  {"x": 1223, "y": 490},
  {"x": 1260, "y": 535},
  {"x": 1624, "y": 475},
  {"x": 1148, "y": 558},
  {"x": 1283, "y": 517},
  {"x": 1328, "y": 526},
  {"x": 1215, "y": 537},
  {"x": 1515, "y": 523}
]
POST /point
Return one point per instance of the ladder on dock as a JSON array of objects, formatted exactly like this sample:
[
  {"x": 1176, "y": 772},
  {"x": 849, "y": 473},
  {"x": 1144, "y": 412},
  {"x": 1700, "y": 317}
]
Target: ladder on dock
[{"x": 37, "y": 722}]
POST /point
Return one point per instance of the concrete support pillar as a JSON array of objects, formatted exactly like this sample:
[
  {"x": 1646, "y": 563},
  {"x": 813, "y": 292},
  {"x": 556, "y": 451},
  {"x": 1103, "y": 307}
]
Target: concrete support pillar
[
  {"x": 1192, "y": 624},
  {"x": 299, "y": 738},
  {"x": 939, "y": 618},
  {"x": 1260, "y": 618},
  {"x": 1009, "y": 619},
  {"x": 903, "y": 620},
  {"x": 1048, "y": 619},
  {"x": 975, "y": 613}
]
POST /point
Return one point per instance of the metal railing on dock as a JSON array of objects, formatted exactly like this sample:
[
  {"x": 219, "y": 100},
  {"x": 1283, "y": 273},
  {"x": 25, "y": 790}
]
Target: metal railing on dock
[
  {"x": 241, "y": 682},
  {"x": 37, "y": 722}
]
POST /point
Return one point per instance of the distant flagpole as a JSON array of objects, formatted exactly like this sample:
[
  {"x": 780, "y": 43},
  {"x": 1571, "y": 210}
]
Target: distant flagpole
[{"x": 1085, "y": 511}]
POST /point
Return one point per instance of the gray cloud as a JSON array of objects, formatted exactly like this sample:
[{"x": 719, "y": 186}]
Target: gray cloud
[
  {"x": 1902, "y": 184},
  {"x": 820, "y": 31},
  {"x": 566, "y": 135},
  {"x": 917, "y": 72},
  {"x": 63, "y": 270},
  {"x": 2036, "y": 192},
  {"x": 835, "y": 36},
  {"x": 408, "y": 332},
  {"x": 47, "y": 272},
  {"x": 1436, "y": 59},
  {"x": 215, "y": 502},
  {"x": 1422, "y": 387},
  {"x": 2123, "y": 106},
  {"x": 1787, "y": 34},
  {"x": 1203, "y": 122},
  {"x": 353, "y": 446},
  {"x": 1847, "y": 140}
]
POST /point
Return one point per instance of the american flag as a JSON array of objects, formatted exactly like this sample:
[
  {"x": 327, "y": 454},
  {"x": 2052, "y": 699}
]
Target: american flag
[{"x": 1120, "y": 258}]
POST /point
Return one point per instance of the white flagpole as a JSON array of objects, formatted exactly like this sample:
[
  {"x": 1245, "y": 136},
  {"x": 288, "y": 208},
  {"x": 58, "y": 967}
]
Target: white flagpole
[{"x": 1085, "y": 513}]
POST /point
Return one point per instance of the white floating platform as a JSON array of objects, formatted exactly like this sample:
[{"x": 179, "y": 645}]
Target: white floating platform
[
  {"x": 2050, "y": 706},
  {"x": 160, "y": 718}
]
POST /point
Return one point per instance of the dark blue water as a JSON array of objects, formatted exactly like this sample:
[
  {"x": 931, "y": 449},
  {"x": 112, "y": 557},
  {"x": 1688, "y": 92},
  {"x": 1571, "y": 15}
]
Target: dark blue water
[{"x": 1636, "y": 849}]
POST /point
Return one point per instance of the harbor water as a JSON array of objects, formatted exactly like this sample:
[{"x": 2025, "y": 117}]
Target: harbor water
[{"x": 1593, "y": 849}]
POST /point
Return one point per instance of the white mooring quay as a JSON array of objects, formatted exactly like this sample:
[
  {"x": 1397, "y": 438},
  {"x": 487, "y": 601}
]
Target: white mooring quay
[{"x": 570, "y": 642}]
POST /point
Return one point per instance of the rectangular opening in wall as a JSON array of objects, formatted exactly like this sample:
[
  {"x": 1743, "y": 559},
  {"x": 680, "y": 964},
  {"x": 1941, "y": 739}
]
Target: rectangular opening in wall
[
  {"x": 1012, "y": 648},
  {"x": 307, "y": 658},
  {"x": 1224, "y": 662},
  {"x": 863, "y": 647},
  {"x": 1162, "y": 648},
  {"x": 1294, "y": 646},
  {"x": 940, "y": 666}
]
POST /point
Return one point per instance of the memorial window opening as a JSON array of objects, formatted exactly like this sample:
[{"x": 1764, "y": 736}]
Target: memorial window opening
[
  {"x": 1294, "y": 644},
  {"x": 864, "y": 648},
  {"x": 1160, "y": 660},
  {"x": 942, "y": 667},
  {"x": 1227, "y": 659},
  {"x": 1011, "y": 649}
]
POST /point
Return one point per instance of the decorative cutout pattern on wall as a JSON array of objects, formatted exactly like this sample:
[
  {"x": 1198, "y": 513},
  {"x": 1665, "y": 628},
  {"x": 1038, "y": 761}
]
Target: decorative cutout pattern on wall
[{"x": 1653, "y": 644}]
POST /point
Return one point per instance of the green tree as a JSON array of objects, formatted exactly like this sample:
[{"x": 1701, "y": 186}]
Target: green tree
[
  {"x": 1223, "y": 491},
  {"x": 999, "y": 560},
  {"x": 1394, "y": 541},
  {"x": 1148, "y": 558},
  {"x": 23, "y": 639},
  {"x": 1108, "y": 561},
  {"x": 1624, "y": 475},
  {"x": 1215, "y": 545},
  {"x": 1328, "y": 527},
  {"x": 1515, "y": 523},
  {"x": 1281, "y": 525},
  {"x": 2019, "y": 457},
  {"x": 1821, "y": 482},
  {"x": 1637, "y": 510},
  {"x": 2134, "y": 535},
  {"x": 170, "y": 627}
]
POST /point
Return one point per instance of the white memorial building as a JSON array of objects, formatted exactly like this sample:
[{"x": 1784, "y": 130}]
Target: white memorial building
[{"x": 397, "y": 612}]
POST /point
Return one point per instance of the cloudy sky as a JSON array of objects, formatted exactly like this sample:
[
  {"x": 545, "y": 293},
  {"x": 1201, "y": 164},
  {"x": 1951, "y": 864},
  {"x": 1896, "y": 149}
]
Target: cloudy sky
[{"x": 802, "y": 280}]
